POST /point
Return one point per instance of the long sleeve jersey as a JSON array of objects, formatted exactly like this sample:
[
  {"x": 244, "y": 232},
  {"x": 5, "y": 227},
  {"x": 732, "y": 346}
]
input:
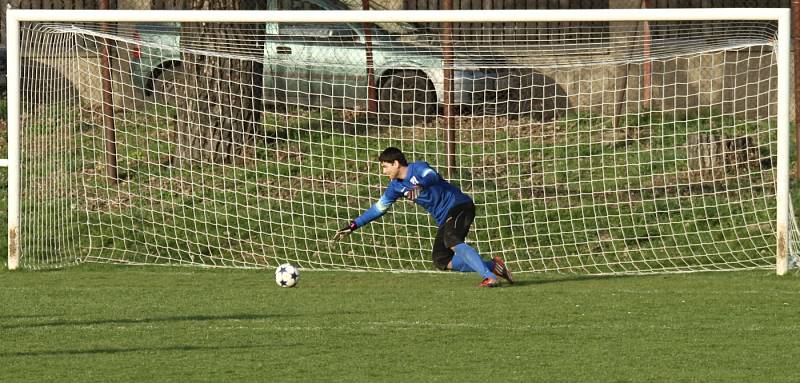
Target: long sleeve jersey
[{"x": 425, "y": 187}]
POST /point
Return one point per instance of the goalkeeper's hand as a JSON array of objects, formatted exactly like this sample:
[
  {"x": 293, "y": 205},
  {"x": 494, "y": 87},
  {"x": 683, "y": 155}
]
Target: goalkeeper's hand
[
  {"x": 345, "y": 231},
  {"x": 413, "y": 193}
]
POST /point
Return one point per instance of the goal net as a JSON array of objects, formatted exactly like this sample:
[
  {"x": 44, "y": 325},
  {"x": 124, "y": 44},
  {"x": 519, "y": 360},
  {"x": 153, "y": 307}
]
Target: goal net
[{"x": 603, "y": 147}]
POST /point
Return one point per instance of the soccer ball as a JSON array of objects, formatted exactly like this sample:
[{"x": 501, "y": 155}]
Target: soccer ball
[{"x": 286, "y": 275}]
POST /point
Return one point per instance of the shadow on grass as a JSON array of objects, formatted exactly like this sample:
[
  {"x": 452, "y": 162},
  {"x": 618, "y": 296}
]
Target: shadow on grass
[
  {"x": 181, "y": 318},
  {"x": 111, "y": 351},
  {"x": 23, "y": 316},
  {"x": 540, "y": 279}
]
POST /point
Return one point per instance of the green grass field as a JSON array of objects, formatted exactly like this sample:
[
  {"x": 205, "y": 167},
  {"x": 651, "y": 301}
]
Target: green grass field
[
  {"x": 159, "y": 324},
  {"x": 153, "y": 324}
]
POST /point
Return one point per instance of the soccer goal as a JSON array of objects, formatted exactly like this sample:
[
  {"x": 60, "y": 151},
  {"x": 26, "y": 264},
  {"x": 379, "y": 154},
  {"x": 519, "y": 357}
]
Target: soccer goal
[{"x": 592, "y": 141}]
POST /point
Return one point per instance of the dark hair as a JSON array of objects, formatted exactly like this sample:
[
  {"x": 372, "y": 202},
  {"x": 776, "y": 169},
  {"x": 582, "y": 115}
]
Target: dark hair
[{"x": 392, "y": 154}]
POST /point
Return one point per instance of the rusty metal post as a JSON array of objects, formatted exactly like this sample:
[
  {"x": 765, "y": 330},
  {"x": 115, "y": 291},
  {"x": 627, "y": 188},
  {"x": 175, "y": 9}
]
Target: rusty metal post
[
  {"x": 647, "y": 70},
  {"x": 372, "y": 91},
  {"x": 449, "y": 119},
  {"x": 108, "y": 107}
]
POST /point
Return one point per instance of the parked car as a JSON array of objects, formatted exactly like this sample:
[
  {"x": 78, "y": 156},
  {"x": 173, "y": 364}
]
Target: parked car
[
  {"x": 325, "y": 64},
  {"x": 155, "y": 53}
]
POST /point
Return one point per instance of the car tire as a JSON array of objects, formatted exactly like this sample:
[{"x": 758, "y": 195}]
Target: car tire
[
  {"x": 165, "y": 85},
  {"x": 407, "y": 97}
]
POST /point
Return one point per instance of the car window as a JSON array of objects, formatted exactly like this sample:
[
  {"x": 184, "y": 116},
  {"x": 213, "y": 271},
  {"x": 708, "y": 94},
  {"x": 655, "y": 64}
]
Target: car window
[
  {"x": 310, "y": 5},
  {"x": 319, "y": 31}
]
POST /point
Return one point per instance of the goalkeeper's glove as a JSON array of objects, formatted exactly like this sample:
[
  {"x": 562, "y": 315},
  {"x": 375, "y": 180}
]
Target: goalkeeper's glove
[
  {"x": 345, "y": 231},
  {"x": 413, "y": 193}
]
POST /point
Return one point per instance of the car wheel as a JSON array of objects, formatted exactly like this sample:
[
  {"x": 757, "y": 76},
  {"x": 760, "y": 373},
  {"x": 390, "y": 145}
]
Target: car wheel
[
  {"x": 407, "y": 97},
  {"x": 164, "y": 86}
]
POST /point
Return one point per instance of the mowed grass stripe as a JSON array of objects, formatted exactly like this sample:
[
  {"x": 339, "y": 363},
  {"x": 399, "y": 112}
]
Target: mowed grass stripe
[{"x": 107, "y": 323}]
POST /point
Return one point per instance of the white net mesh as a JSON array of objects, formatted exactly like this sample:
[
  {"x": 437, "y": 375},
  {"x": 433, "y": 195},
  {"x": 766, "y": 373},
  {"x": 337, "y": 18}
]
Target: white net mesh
[{"x": 610, "y": 148}]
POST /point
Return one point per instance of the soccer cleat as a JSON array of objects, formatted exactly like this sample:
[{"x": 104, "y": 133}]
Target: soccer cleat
[
  {"x": 489, "y": 282},
  {"x": 501, "y": 270}
]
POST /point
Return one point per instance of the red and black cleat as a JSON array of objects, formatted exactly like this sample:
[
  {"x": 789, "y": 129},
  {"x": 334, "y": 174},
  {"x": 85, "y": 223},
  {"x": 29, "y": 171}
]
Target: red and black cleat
[{"x": 501, "y": 270}]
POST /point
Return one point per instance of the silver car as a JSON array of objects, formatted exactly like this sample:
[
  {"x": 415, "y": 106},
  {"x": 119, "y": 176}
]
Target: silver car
[
  {"x": 155, "y": 54},
  {"x": 326, "y": 65}
]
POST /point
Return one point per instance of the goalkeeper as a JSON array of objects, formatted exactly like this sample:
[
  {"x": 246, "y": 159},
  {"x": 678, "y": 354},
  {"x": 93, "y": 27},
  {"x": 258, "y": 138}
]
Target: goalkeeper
[{"x": 452, "y": 209}]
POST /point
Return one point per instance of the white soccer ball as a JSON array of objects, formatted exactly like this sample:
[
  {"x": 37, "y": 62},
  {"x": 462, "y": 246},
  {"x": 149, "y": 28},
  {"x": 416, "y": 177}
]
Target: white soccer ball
[{"x": 287, "y": 275}]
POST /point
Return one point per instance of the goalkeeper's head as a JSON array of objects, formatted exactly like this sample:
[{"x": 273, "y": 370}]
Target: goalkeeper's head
[
  {"x": 391, "y": 155},
  {"x": 393, "y": 162}
]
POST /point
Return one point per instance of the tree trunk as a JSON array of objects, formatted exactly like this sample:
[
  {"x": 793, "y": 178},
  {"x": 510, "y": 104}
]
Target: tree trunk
[{"x": 219, "y": 98}]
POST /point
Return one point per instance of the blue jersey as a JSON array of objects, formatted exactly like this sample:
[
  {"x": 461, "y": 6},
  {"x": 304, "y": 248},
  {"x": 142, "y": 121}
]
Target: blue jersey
[{"x": 425, "y": 187}]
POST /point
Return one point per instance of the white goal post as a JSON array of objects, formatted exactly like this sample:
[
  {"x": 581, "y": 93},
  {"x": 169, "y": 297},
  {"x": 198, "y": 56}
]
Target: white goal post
[{"x": 555, "y": 193}]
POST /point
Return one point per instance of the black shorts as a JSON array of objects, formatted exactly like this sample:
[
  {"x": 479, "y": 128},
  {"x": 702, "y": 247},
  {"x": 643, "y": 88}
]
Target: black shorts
[{"x": 452, "y": 232}]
